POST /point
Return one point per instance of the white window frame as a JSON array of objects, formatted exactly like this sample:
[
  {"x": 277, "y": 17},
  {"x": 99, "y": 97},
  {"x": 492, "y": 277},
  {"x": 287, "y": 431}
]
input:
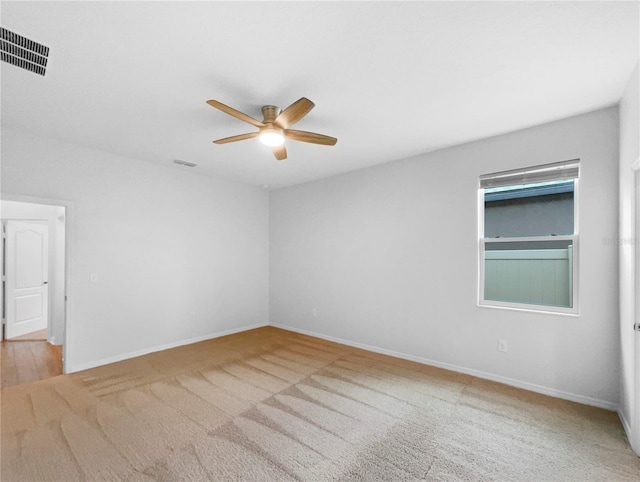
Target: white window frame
[{"x": 574, "y": 238}]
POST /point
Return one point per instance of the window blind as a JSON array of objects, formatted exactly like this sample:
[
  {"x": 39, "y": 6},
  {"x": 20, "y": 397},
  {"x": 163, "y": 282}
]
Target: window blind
[{"x": 555, "y": 171}]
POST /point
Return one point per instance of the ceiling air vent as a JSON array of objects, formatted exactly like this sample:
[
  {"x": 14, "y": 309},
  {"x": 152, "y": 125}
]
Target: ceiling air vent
[
  {"x": 184, "y": 163},
  {"x": 22, "y": 52}
]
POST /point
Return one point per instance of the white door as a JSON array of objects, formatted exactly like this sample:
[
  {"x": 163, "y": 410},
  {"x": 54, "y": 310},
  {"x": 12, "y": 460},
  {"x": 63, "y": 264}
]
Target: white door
[{"x": 27, "y": 291}]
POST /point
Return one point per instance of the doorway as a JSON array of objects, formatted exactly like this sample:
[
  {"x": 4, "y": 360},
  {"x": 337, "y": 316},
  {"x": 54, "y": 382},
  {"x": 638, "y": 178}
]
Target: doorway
[{"x": 33, "y": 291}]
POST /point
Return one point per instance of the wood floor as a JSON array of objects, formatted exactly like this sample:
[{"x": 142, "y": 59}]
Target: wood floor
[
  {"x": 28, "y": 361},
  {"x": 36, "y": 335}
]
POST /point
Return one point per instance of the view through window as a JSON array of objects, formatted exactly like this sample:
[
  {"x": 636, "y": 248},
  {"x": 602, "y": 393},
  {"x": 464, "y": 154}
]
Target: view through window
[{"x": 528, "y": 242}]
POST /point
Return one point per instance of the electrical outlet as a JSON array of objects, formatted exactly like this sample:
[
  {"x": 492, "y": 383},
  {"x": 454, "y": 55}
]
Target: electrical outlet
[
  {"x": 503, "y": 346},
  {"x": 314, "y": 312}
]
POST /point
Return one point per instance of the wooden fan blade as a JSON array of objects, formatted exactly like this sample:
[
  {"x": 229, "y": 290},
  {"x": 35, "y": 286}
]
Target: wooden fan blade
[
  {"x": 280, "y": 152},
  {"x": 235, "y": 113},
  {"x": 294, "y": 113},
  {"x": 310, "y": 137},
  {"x": 240, "y": 137}
]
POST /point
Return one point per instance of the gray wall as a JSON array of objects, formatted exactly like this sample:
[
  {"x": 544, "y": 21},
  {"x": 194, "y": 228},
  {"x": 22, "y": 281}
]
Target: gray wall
[
  {"x": 178, "y": 256},
  {"x": 388, "y": 258}
]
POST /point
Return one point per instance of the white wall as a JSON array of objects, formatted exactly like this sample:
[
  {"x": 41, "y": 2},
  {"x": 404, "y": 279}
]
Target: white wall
[
  {"x": 388, "y": 256},
  {"x": 629, "y": 153},
  {"x": 178, "y": 256},
  {"x": 55, "y": 217}
]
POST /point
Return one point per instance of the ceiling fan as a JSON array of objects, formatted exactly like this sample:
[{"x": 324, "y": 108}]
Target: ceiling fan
[{"x": 275, "y": 126}]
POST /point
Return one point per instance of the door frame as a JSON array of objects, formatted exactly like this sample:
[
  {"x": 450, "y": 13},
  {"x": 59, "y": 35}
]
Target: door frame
[
  {"x": 68, "y": 261},
  {"x": 635, "y": 429}
]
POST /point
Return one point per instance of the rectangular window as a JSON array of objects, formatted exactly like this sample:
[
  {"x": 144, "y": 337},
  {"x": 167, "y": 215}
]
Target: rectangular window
[{"x": 529, "y": 238}]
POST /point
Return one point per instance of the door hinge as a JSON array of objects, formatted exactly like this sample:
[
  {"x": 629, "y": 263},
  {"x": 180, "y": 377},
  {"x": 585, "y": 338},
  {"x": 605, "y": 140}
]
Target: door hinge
[{"x": 636, "y": 327}]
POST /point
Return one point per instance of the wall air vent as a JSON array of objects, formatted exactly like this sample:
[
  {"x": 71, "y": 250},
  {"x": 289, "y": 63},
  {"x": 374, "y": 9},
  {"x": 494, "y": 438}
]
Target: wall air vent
[
  {"x": 22, "y": 52},
  {"x": 184, "y": 163}
]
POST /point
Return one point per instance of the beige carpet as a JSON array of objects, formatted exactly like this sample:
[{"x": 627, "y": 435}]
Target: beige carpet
[{"x": 270, "y": 405}]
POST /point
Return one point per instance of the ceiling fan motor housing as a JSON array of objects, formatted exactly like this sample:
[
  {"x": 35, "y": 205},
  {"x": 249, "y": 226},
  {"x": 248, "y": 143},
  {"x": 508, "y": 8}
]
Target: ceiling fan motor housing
[
  {"x": 271, "y": 134},
  {"x": 270, "y": 112}
]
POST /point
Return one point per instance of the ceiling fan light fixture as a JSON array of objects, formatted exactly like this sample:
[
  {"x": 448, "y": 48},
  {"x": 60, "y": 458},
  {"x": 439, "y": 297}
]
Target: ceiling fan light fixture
[{"x": 271, "y": 137}]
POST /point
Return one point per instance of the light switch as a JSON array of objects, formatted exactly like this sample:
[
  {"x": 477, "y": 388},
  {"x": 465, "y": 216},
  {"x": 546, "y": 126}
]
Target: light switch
[{"x": 93, "y": 278}]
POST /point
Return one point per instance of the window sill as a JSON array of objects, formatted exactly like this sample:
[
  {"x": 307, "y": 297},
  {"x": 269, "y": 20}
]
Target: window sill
[{"x": 543, "y": 310}]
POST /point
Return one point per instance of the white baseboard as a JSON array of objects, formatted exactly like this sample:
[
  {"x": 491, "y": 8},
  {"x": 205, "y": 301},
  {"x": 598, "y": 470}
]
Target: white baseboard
[
  {"x": 145, "y": 351},
  {"x": 625, "y": 423},
  {"x": 425, "y": 361},
  {"x": 468, "y": 371},
  {"x": 627, "y": 430}
]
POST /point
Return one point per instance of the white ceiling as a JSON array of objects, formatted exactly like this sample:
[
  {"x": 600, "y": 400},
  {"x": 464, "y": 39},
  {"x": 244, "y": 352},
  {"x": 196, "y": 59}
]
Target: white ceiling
[{"x": 389, "y": 79}]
